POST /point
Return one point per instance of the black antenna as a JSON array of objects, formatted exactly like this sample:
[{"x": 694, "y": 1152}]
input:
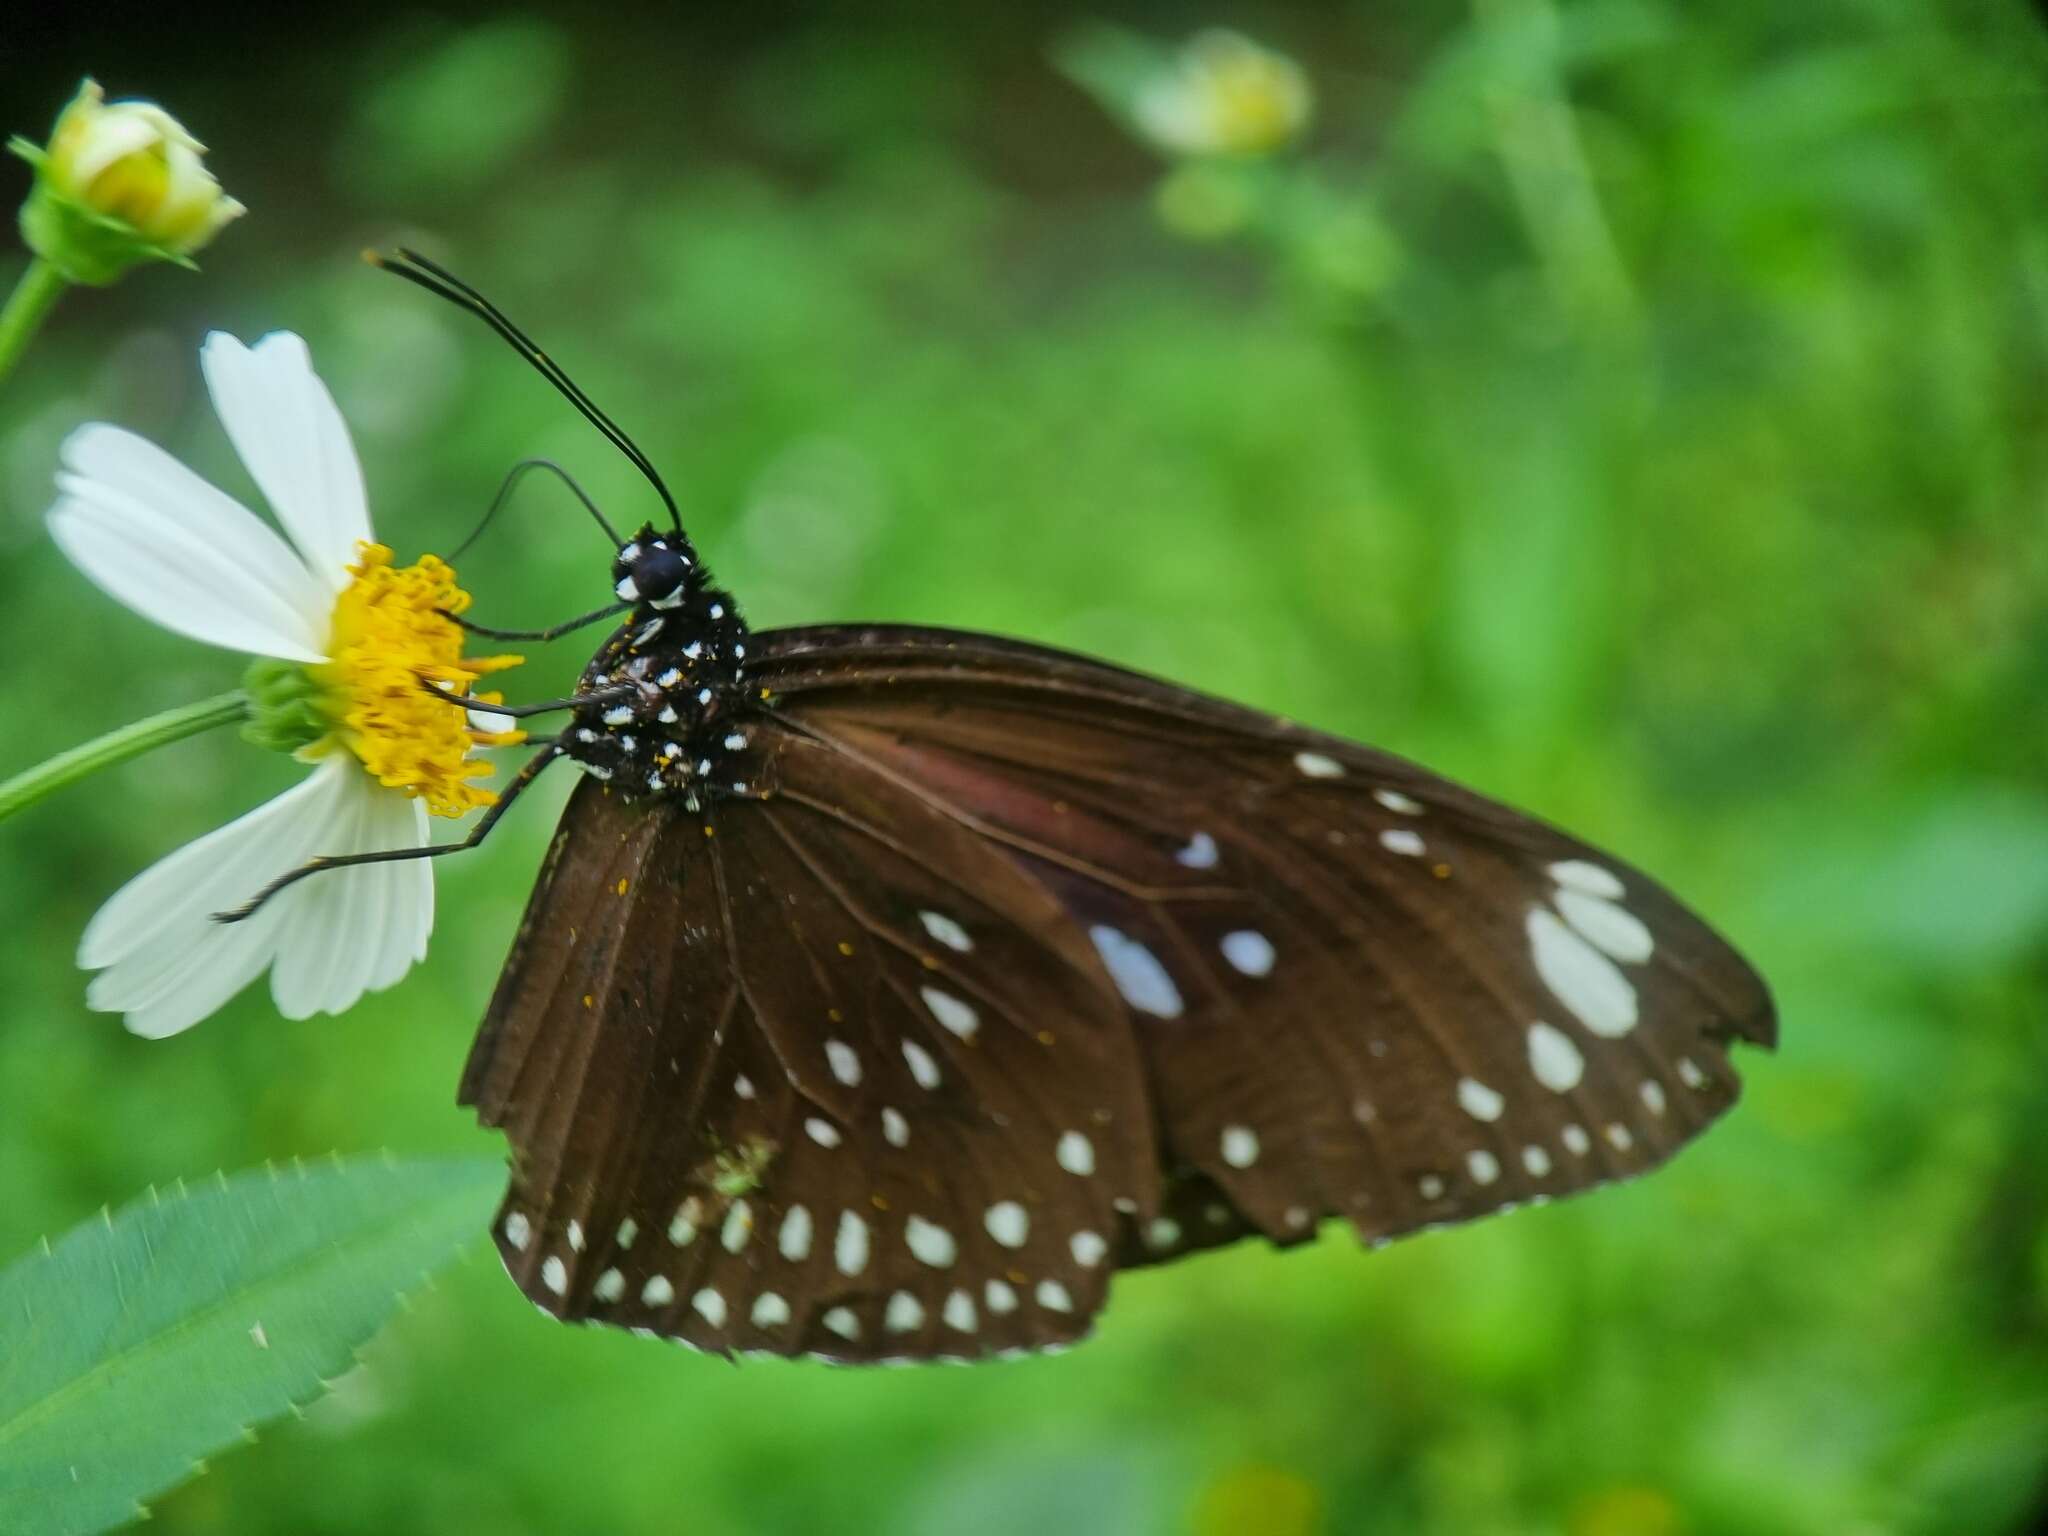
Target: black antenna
[
  {"x": 438, "y": 280},
  {"x": 520, "y": 472}
]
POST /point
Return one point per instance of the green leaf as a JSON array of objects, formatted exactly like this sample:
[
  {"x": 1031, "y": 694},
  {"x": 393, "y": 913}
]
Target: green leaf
[{"x": 146, "y": 1340}]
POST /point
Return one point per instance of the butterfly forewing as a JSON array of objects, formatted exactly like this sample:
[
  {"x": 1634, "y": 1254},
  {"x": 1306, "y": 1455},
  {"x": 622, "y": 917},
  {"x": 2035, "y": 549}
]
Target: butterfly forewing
[
  {"x": 1359, "y": 989},
  {"x": 1007, "y": 969}
]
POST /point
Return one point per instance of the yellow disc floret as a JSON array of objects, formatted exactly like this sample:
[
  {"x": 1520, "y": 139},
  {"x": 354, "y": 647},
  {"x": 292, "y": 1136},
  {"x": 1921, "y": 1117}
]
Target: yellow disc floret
[{"x": 391, "y": 636}]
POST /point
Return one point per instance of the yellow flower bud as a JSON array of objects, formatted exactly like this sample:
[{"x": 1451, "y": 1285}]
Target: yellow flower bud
[
  {"x": 120, "y": 182},
  {"x": 1224, "y": 95}
]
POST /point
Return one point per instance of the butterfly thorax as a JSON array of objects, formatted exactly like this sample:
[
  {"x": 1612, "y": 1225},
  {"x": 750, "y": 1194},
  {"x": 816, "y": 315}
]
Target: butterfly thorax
[{"x": 662, "y": 694}]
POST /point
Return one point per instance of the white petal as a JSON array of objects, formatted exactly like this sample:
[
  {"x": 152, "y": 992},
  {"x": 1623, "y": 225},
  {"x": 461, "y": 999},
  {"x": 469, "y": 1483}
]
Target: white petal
[
  {"x": 285, "y": 426},
  {"x": 225, "y": 867},
  {"x": 113, "y": 135},
  {"x": 156, "y": 537},
  {"x": 167, "y": 964},
  {"x": 408, "y": 897},
  {"x": 310, "y": 944},
  {"x": 333, "y": 950},
  {"x": 163, "y": 960}
]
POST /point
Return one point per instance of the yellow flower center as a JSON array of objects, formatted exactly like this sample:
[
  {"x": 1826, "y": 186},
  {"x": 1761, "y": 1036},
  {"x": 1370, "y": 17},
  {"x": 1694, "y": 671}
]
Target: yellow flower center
[{"x": 392, "y": 636}]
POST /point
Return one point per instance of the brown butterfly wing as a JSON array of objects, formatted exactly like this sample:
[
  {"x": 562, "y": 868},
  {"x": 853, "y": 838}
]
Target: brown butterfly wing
[
  {"x": 1076, "y": 970},
  {"x": 847, "y": 1083},
  {"x": 1358, "y": 989}
]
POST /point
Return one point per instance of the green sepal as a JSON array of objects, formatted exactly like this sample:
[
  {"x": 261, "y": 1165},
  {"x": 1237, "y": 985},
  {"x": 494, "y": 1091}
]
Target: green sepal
[
  {"x": 84, "y": 245},
  {"x": 287, "y": 708}
]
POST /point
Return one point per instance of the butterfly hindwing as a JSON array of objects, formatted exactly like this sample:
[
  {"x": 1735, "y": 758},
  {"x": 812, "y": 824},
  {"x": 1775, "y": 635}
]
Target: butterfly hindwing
[{"x": 873, "y": 1103}]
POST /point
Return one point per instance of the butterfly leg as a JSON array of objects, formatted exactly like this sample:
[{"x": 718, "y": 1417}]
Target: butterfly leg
[
  {"x": 521, "y": 711},
  {"x": 512, "y": 791}
]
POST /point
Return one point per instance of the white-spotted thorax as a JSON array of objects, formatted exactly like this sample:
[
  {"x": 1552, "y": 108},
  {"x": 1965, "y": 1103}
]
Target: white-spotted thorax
[{"x": 661, "y": 710}]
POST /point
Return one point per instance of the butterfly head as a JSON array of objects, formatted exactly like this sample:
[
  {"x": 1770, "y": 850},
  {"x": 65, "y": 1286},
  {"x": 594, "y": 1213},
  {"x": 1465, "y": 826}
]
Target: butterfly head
[{"x": 654, "y": 568}]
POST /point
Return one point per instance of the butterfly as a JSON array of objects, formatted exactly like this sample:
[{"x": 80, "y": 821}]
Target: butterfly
[{"x": 886, "y": 990}]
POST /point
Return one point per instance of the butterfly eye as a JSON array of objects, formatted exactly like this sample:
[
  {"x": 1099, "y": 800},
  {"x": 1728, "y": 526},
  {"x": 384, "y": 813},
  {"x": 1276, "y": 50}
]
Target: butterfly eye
[{"x": 654, "y": 576}]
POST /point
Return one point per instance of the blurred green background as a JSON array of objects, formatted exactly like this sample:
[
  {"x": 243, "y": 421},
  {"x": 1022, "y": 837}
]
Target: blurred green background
[{"x": 1637, "y": 410}]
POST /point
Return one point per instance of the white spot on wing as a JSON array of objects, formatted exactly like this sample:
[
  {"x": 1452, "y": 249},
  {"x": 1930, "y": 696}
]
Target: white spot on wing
[
  {"x": 710, "y": 1306},
  {"x": 1076, "y": 1153},
  {"x": 1536, "y": 1160},
  {"x": 1688, "y": 1074},
  {"x": 1590, "y": 878},
  {"x": 1008, "y": 1223},
  {"x": 518, "y": 1230},
  {"x": 959, "y": 1312},
  {"x": 930, "y": 1243},
  {"x": 1554, "y": 1058},
  {"x": 845, "y": 1062},
  {"x": 611, "y": 1285},
  {"x": 1619, "y": 932},
  {"x": 823, "y": 1132},
  {"x": 1162, "y": 1234},
  {"x": 1576, "y": 1141},
  {"x": 1240, "y": 1146},
  {"x": 795, "y": 1238},
  {"x": 657, "y": 1292},
  {"x": 554, "y": 1274},
  {"x": 770, "y": 1310},
  {"x": 1250, "y": 953},
  {"x": 1403, "y": 841},
  {"x": 1137, "y": 973},
  {"x": 1054, "y": 1297},
  {"x": 1318, "y": 766},
  {"x": 951, "y": 1012},
  {"x": 895, "y": 1128},
  {"x": 946, "y": 931},
  {"x": 999, "y": 1296},
  {"x": 739, "y": 1226},
  {"x": 1653, "y": 1096},
  {"x": 921, "y": 1065},
  {"x": 904, "y": 1314},
  {"x": 850, "y": 1251},
  {"x": 628, "y": 1230},
  {"x": 1394, "y": 800},
  {"x": 683, "y": 1229},
  {"x": 1478, "y": 1100},
  {"x": 1580, "y": 977},
  {"x": 1200, "y": 852},
  {"x": 1088, "y": 1248},
  {"x": 1430, "y": 1187},
  {"x": 841, "y": 1321},
  {"x": 1484, "y": 1165}
]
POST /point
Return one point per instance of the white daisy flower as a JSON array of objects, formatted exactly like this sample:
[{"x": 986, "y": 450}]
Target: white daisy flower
[{"x": 349, "y": 638}]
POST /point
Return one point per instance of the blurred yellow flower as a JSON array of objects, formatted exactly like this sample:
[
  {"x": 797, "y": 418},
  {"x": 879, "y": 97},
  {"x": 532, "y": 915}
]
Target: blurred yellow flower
[
  {"x": 1224, "y": 95},
  {"x": 119, "y": 183}
]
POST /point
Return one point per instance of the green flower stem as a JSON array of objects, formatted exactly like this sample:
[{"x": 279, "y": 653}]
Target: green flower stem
[
  {"x": 35, "y": 294},
  {"x": 45, "y": 779}
]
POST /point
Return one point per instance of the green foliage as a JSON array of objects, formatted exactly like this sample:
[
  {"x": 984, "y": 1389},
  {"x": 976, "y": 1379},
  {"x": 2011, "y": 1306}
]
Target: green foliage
[
  {"x": 144, "y": 1341},
  {"x": 1634, "y": 409}
]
